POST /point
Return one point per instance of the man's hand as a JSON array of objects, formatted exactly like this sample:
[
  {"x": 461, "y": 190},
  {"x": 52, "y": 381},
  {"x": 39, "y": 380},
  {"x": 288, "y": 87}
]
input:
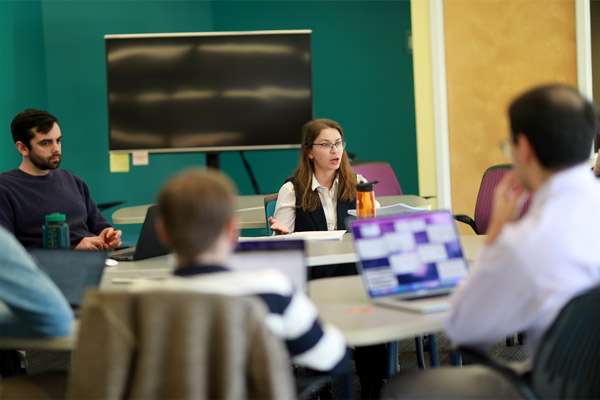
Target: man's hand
[
  {"x": 111, "y": 238},
  {"x": 91, "y": 243},
  {"x": 506, "y": 201},
  {"x": 108, "y": 239},
  {"x": 278, "y": 227}
]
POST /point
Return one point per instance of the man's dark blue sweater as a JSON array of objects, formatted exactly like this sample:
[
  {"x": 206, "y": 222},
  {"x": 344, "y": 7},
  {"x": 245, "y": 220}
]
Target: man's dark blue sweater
[{"x": 26, "y": 199}]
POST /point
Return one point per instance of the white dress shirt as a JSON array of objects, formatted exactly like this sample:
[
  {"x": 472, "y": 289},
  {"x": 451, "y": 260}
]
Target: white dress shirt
[
  {"x": 285, "y": 209},
  {"x": 534, "y": 267}
]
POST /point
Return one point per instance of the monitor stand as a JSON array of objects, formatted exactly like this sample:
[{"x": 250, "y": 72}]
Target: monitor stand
[{"x": 212, "y": 160}]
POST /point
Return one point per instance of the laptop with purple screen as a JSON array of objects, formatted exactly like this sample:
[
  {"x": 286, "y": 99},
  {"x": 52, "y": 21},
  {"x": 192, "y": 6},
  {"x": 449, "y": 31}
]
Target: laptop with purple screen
[{"x": 410, "y": 261}]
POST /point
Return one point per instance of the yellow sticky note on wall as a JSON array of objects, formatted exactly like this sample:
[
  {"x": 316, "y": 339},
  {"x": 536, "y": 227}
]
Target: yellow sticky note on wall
[{"x": 119, "y": 162}]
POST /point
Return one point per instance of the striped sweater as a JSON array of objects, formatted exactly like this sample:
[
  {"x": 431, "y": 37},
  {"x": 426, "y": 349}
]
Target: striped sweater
[{"x": 292, "y": 315}]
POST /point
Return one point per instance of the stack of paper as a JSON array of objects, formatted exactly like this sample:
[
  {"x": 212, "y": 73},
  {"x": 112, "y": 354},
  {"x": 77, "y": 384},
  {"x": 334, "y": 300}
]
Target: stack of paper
[
  {"x": 396, "y": 209},
  {"x": 307, "y": 236}
]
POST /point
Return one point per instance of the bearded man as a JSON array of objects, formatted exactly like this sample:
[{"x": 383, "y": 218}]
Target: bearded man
[{"x": 39, "y": 187}]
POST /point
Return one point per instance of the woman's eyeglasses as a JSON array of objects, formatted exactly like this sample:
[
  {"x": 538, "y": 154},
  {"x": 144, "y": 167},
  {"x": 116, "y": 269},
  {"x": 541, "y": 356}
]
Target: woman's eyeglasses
[{"x": 327, "y": 146}]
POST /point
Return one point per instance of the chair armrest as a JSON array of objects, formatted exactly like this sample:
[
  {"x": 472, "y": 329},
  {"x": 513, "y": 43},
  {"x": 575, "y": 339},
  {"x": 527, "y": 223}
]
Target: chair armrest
[
  {"x": 104, "y": 206},
  {"x": 467, "y": 220}
]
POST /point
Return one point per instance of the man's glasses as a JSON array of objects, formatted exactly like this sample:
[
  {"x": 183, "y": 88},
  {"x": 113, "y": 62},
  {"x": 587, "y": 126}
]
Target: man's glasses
[{"x": 327, "y": 146}]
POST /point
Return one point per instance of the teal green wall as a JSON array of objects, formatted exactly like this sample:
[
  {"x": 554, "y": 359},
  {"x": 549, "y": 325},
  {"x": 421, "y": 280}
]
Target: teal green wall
[
  {"x": 22, "y": 69},
  {"x": 53, "y": 58}
]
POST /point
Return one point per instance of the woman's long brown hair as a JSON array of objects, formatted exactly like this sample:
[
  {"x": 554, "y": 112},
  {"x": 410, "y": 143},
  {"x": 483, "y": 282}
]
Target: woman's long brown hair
[{"x": 309, "y": 199}]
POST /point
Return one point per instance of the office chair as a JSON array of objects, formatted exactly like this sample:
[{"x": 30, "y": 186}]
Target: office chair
[
  {"x": 169, "y": 344},
  {"x": 483, "y": 209},
  {"x": 565, "y": 366},
  {"x": 388, "y": 183},
  {"x": 104, "y": 206},
  {"x": 270, "y": 203},
  {"x": 483, "y": 206}
]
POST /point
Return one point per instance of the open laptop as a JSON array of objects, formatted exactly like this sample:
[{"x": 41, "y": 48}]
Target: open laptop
[
  {"x": 148, "y": 245},
  {"x": 410, "y": 261},
  {"x": 288, "y": 256},
  {"x": 73, "y": 271}
]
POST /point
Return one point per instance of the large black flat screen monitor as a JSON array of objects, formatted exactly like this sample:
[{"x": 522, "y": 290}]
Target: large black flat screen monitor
[{"x": 209, "y": 92}]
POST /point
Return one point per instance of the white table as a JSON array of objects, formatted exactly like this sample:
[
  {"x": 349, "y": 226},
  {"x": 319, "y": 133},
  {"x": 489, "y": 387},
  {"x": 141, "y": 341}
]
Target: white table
[
  {"x": 250, "y": 210},
  {"x": 341, "y": 301},
  {"x": 63, "y": 343},
  {"x": 318, "y": 253},
  {"x": 342, "y": 251}
]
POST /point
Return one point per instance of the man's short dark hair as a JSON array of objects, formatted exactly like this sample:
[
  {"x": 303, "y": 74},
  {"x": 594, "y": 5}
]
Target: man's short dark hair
[
  {"x": 558, "y": 122},
  {"x": 22, "y": 126}
]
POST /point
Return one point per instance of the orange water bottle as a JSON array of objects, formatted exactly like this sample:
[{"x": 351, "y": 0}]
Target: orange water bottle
[{"x": 365, "y": 199}]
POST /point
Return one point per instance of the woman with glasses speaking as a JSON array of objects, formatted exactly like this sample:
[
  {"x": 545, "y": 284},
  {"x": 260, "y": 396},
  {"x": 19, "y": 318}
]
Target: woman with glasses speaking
[
  {"x": 323, "y": 188},
  {"x": 317, "y": 198}
]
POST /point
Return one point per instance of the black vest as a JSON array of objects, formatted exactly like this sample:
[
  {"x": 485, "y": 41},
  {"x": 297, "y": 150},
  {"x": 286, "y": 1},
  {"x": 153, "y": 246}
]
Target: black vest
[{"x": 315, "y": 220}]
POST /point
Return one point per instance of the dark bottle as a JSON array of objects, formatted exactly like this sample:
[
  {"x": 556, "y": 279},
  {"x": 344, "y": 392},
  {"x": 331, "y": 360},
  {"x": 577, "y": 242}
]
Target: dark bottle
[{"x": 56, "y": 232}]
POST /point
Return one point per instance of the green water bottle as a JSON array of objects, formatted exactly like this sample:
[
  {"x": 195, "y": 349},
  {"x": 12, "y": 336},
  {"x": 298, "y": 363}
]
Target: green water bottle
[{"x": 56, "y": 232}]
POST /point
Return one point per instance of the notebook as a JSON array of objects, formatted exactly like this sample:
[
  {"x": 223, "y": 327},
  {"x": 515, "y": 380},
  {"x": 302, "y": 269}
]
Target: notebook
[
  {"x": 148, "y": 245},
  {"x": 73, "y": 271},
  {"x": 410, "y": 261},
  {"x": 287, "y": 256}
]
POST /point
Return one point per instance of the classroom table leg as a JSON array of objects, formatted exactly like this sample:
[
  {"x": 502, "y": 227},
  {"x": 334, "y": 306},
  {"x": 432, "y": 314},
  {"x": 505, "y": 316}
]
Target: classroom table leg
[
  {"x": 345, "y": 386},
  {"x": 455, "y": 358},
  {"x": 433, "y": 351},
  {"x": 420, "y": 353},
  {"x": 392, "y": 348}
]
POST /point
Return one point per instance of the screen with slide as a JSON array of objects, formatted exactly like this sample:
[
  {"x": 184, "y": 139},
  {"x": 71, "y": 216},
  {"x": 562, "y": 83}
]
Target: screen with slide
[{"x": 214, "y": 91}]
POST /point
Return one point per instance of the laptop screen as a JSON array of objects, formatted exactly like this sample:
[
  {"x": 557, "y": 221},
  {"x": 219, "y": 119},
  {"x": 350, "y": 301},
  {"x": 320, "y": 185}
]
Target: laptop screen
[
  {"x": 286, "y": 256},
  {"x": 409, "y": 255}
]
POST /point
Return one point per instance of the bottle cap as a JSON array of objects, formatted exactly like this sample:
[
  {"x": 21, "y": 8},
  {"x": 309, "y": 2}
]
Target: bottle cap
[
  {"x": 366, "y": 186},
  {"x": 56, "y": 217}
]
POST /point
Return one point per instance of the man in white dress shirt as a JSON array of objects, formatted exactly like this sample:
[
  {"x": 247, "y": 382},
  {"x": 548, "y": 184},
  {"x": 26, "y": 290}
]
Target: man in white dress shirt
[{"x": 530, "y": 268}]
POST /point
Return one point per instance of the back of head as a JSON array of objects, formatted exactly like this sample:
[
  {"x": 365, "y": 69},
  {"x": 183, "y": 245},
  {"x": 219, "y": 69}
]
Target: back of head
[
  {"x": 22, "y": 125},
  {"x": 558, "y": 122},
  {"x": 195, "y": 207}
]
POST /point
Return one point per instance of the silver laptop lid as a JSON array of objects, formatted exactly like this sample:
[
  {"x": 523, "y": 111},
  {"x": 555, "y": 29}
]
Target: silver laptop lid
[
  {"x": 288, "y": 256},
  {"x": 410, "y": 255}
]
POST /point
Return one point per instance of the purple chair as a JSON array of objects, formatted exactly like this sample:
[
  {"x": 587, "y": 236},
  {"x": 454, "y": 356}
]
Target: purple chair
[
  {"x": 371, "y": 170},
  {"x": 483, "y": 207}
]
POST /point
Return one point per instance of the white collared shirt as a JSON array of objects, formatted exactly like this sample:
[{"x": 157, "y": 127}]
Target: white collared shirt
[
  {"x": 285, "y": 209},
  {"x": 534, "y": 267}
]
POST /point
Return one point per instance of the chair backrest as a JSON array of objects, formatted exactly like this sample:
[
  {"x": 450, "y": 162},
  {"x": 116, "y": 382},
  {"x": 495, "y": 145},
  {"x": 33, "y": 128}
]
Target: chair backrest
[
  {"x": 160, "y": 343},
  {"x": 566, "y": 365},
  {"x": 371, "y": 170},
  {"x": 483, "y": 207},
  {"x": 270, "y": 202}
]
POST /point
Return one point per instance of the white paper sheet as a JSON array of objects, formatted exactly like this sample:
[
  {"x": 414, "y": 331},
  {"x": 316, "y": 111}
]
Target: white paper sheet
[{"x": 396, "y": 209}]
